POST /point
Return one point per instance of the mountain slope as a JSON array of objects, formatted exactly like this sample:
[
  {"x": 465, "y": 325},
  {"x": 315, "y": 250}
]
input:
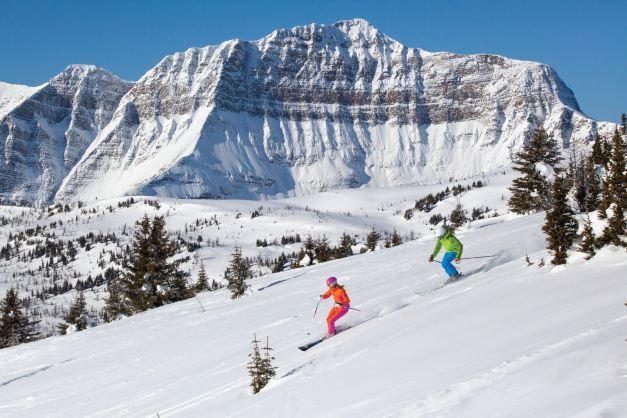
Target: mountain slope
[
  {"x": 509, "y": 340},
  {"x": 11, "y": 95},
  {"x": 321, "y": 107},
  {"x": 46, "y": 131}
]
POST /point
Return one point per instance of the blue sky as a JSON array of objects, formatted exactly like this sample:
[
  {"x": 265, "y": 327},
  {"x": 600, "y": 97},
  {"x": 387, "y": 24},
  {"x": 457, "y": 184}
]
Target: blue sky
[{"x": 585, "y": 41}]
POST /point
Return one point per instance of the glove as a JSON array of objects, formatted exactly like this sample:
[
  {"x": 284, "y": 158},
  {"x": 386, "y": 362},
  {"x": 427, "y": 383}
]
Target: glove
[
  {"x": 320, "y": 298},
  {"x": 430, "y": 258},
  {"x": 457, "y": 259}
]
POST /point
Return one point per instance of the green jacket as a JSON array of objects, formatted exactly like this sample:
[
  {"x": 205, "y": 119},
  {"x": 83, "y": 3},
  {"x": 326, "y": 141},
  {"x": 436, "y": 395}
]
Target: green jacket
[{"x": 450, "y": 243}]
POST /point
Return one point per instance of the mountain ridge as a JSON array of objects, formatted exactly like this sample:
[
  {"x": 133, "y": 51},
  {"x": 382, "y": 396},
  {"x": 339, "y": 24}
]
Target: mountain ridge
[{"x": 319, "y": 107}]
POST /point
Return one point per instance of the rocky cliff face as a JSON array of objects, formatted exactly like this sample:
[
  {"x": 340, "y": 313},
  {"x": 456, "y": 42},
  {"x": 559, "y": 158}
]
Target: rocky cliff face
[
  {"x": 320, "y": 107},
  {"x": 46, "y": 133}
]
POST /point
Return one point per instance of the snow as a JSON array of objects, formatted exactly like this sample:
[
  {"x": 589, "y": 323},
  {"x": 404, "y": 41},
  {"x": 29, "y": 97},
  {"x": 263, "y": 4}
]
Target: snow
[
  {"x": 11, "y": 95},
  {"x": 508, "y": 340},
  {"x": 545, "y": 170}
]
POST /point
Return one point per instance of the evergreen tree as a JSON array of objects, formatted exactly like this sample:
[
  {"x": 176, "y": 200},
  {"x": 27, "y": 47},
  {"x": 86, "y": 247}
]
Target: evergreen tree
[
  {"x": 614, "y": 190},
  {"x": 115, "y": 304},
  {"x": 617, "y": 176},
  {"x": 593, "y": 187},
  {"x": 605, "y": 199},
  {"x": 615, "y": 229},
  {"x": 372, "y": 239},
  {"x": 623, "y": 123},
  {"x": 237, "y": 273},
  {"x": 323, "y": 250},
  {"x": 345, "y": 248},
  {"x": 202, "y": 284},
  {"x": 607, "y": 153},
  {"x": 588, "y": 242},
  {"x": 77, "y": 316},
  {"x": 260, "y": 368},
  {"x": 15, "y": 327},
  {"x": 280, "y": 263},
  {"x": 168, "y": 281},
  {"x": 598, "y": 155},
  {"x": 255, "y": 368},
  {"x": 458, "y": 216},
  {"x": 396, "y": 239},
  {"x": 268, "y": 369},
  {"x": 152, "y": 276},
  {"x": 528, "y": 260},
  {"x": 577, "y": 176},
  {"x": 531, "y": 192},
  {"x": 133, "y": 282},
  {"x": 560, "y": 226}
]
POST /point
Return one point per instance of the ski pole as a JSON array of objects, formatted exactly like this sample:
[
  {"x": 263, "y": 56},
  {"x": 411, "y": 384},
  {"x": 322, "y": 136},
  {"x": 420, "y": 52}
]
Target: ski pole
[
  {"x": 314, "y": 315},
  {"x": 481, "y": 256}
]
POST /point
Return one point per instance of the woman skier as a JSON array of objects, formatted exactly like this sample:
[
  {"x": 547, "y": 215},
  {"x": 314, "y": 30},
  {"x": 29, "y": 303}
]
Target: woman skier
[
  {"x": 342, "y": 304},
  {"x": 453, "y": 248}
]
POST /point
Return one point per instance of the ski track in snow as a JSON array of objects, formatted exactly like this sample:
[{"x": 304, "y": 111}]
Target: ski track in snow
[{"x": 439, "y": 403}]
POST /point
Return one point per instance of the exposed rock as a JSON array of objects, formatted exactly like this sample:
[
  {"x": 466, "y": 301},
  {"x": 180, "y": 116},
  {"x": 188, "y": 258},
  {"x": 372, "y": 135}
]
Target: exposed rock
[{"x": 47, "y": 133}]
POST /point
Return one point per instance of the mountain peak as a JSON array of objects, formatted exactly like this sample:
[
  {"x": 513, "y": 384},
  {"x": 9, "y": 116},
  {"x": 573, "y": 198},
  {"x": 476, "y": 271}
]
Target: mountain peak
[{"x": 357, "y": 23}]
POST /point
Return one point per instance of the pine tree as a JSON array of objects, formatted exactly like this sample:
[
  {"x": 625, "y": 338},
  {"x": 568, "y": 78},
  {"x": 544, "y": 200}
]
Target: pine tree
[
  {"x": 598, "y": 155},
  {"x": 237, "y": 273},
  {"x": 588, "y": 242},
  {"x": 77, "y": 315},
  {"x": 593, "y": 187},
  {"x": 396, "y": 239},
  {"x": 615, "y": 193},
  {"x": 458, "y": 216},
  {"x": 260, "y": 368},
  {"x": 255, "y": 367},
  {"x": 202, "y": 284},
  {"x": 168, "y": 280},
  {"x": 528, "y": 260},
  {"x": 269, "y": 371},
  {"x": 323, "y": 250},
  {"x": 616, "y": 227},
  {"x": 605, "y": 200},
  {"x": 345, "y": 248},
  {"x": 133, "y": 284},
  {"x": 577, "y": 176},
  {"x": 15, "y": 327},
  {"x": 152, "y": 275},
  {"x": 531, "y": 192},
  {"x": 617, "y": 176},
  {"x": 115, "y": 305},
  {"x": 607, "y": 153},
  {"x": 560, "y": 226},
  {"x": 372, "y": 239}
]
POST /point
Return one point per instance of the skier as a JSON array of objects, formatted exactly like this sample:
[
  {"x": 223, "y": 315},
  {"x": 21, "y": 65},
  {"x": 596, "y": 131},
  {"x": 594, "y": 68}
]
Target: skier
[
  {"x": 453, "y": 249},
  {"x": 342, "y": 304}
]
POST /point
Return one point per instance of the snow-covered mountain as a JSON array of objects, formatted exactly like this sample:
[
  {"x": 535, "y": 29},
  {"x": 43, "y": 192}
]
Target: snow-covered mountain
[
  {"x": 308, "y": 109},
  {"x": 11, "y": 95},
  {"x": 320, "y": 107},
  {"x": 44, "y": 131}
]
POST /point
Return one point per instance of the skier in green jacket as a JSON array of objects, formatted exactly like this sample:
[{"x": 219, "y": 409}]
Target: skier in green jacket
[{"x": 453, "y": 248}]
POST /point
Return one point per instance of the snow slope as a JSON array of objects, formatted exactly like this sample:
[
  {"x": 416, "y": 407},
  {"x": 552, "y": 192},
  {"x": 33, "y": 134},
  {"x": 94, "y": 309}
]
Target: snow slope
[
  {"x": 507, "y": 341},
  {"x": 11, "y": 95}
]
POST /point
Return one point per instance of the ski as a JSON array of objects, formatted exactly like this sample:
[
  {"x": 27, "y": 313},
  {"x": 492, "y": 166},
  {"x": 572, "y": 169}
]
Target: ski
[
  {"x": 448, "y": 282},
  {"x": 311, "y": 344}
]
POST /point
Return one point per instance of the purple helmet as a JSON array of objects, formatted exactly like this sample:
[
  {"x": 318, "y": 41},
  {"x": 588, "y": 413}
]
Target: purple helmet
[{"x": 331, "y": 281}]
